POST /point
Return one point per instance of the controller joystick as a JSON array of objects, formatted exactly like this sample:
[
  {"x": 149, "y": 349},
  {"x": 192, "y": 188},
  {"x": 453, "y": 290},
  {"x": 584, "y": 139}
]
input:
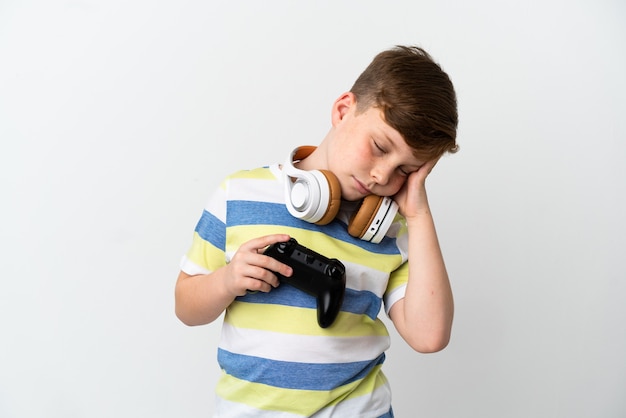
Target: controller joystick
[{"x": 321, "y": 277}]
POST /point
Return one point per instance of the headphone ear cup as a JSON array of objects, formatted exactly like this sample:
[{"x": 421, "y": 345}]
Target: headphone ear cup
[
  {"x": 361, "y": 220},
  {"x": 334, "y": 198}
]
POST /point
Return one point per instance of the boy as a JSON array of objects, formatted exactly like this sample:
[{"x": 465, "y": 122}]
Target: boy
[{"x": 386, "y": 135}]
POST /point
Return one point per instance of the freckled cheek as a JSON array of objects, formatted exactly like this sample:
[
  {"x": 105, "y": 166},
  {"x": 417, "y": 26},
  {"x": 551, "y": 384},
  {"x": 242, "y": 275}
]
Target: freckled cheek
[
  {"x": 392, "y": 187},
  {"x": 363, "y": 154},
  {"x": 396, "y": 184},
  {"x": 361, "y": 161}
]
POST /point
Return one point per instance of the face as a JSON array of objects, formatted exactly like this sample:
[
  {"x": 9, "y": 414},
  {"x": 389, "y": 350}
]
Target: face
[{"x": 367, "y": 155}]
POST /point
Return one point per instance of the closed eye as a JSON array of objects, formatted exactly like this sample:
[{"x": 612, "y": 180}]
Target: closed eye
[
  {"x": 408, "y": 170},
  {"x": 379, "y": 148}
]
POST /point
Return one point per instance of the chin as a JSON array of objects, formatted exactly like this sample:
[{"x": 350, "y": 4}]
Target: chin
[{"x": 353, "y": 197}]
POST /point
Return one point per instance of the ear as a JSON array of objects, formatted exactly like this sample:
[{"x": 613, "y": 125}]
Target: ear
[{"x": 342, "y": 106}]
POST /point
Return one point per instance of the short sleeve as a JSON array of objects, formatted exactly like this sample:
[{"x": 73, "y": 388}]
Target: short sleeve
[
  {"x": 398, "y": 279},
  {"x": 207, "y": 251}
]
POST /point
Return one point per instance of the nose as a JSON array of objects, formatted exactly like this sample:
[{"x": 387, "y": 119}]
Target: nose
[{"x": 381, "y": 174}]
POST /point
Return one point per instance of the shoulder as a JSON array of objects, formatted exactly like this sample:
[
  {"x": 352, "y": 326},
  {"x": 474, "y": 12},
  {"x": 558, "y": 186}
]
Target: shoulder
[
  {"x": 262, "y": 184},
  {"x": 248, "y": 178},
  {"x": 259, "y": 173}
]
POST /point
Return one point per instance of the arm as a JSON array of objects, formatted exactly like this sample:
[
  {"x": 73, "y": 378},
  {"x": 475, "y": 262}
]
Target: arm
[
  {"x": 200, "y": 299},
  {"x": 424, "y": 317}
]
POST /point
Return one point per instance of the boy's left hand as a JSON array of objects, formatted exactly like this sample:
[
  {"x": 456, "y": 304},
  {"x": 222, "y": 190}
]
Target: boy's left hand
[{"x": 412, "y": 199}]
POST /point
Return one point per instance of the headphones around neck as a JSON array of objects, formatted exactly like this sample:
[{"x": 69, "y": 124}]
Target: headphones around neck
[{"x": 315, "y": 196}]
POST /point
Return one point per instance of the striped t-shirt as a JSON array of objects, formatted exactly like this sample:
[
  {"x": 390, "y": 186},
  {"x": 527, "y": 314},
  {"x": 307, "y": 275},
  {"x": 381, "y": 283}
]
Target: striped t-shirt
[{"x": 276, "y": 360}]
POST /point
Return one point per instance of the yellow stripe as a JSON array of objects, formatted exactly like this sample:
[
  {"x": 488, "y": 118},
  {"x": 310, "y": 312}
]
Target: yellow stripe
[
  {"x": 356, "y": 255},
  {"x": 299, "y": 321},
  {"x": 318, "y": 241},
  {"x": 237, "y": 235},
  {"x": 398, "y": 278},
  {"x": 303, "y": 402},
  {"x": 334, "y": 248},
  {"x": 403, "y": 227},
  {"x": 260, "y": 173},
  {"x": 205, "y": 254}
]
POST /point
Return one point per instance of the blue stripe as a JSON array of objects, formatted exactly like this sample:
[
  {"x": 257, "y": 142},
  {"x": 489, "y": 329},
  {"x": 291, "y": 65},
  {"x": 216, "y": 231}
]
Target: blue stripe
[
  {"x": 282, "y": 295},
  {"x": 211, "y": 229},
  {"x": 362, "y": 302},
  {"x": 244, "y": 212},
  {"x": 355, "y": 301},
  {"x": 291, "y": 375},
  {"x": 388, "y": 414}
]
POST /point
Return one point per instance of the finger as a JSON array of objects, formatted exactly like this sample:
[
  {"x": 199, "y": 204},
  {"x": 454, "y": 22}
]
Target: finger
[
  {"x": 262, "y": 279},
  {"x": 276, "y": 266},
  {"x": 423, "y": 172},
  {"x": 257, "y": 245},
  {"x": 428, "y": 166},
  {"x": 255, "y": 264},
  {"x": 431, "y": 164},
  {"x": 259, "y": 286}
]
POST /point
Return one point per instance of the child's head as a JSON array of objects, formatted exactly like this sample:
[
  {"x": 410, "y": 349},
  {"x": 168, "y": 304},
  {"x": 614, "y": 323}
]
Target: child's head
[{"x": 415, "y": 96}]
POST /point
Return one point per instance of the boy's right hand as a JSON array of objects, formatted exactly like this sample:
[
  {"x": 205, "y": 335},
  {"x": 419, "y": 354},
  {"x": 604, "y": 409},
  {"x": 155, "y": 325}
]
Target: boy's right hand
[{"x": 251, "y": 270}]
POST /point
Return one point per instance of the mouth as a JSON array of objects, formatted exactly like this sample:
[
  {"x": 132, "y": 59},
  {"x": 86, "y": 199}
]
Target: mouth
[{"x": 362, "y": 188}]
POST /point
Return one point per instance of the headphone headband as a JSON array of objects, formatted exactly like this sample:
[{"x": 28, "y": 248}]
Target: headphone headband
[
  {"x": 307, "y": 197},
  {"x": 296, "y": 155}
]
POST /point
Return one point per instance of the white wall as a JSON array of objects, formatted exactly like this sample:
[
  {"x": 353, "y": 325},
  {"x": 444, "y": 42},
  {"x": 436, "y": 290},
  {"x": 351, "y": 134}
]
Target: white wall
[{"x": 118, "y": 117}]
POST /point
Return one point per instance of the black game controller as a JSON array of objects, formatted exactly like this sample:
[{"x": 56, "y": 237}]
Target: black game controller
[{"x": 321, "y": 277}]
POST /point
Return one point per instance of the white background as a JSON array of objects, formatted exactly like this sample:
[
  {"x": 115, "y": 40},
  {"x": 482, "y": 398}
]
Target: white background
[{"x": 117, "y": 119}]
